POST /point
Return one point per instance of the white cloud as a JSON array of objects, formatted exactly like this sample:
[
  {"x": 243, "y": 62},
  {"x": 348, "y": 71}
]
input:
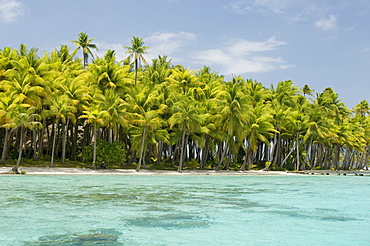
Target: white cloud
[
  {"x": 167, "y": 43},
  {"x": 118, "y": 48},
  {"x": 326, "y": 24},
  {"x": 240, "y": 7},
  {"x": 10, "y": 10},
  {"x": 161, "y": 43},
  {"x": 240, "y": 57},
  {"x": 292, "y": 10},
  {"x": 266, "y": 6},
  {"x": 274, "y": 6}
]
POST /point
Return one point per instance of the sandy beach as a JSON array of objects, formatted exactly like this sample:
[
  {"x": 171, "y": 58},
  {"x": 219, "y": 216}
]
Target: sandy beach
[{"x": 86, "y": 171}]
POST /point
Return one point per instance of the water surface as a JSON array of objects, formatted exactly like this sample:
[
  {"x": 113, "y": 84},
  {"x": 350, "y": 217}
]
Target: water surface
[{"x": 184, "y": 210}]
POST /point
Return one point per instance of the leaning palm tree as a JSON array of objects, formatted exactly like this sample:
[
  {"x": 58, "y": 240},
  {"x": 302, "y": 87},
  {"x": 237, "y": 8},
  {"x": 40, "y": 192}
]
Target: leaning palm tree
[
  {"x": 83, "y": 42},
  {"x": 136, "y": 51},
  {"x": 22, "y": 118}
]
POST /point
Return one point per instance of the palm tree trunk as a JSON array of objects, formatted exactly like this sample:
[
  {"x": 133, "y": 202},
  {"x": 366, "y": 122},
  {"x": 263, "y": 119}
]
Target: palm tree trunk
[
  {"x": 144, "y": 156},
  {"x": 53, "y": 148},
  {"x": 366, "y": 159},
  {"x": 297, "y": 147},
  {"x": 248, "y": 158},
  {"x": 205, "y": 152},
  {"x": 273, "y": 147},
  {"x": 34, "y": 144},
  {"x": 159, "y": 154},
  {"x": 277, "y": 152},
  {"x": 95, "y": 140},
  {"x": 242, "y": 168},
  {"x": 16, "y": 167},
  {"x": 182, "y": 155},
  {"x": 141, "y": 150},
  {"x": 222, "y": 157},
  {"x": 64, "y": 142},
  {"x": 136, "y": 69},
  {"x": 286, "y": 157},
  {"x": 86, "y": 56},
  {"x": 5, "y": 146},
  {"x": 41, "y": 140},
  {"x": 74, "y": 142}
]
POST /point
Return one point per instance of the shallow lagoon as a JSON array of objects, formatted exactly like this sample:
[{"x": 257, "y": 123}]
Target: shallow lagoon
[{"x": 184, "y": 210}]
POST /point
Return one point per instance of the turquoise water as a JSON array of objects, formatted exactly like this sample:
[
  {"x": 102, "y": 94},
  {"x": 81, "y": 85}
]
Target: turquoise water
[{"x": 184, "y": 210}]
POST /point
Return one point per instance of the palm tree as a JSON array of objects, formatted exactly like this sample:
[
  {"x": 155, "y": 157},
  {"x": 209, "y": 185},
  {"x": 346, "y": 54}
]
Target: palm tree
[
  {"x": 70, "y": 80},
  {"x": 83, "y": 42},
  {"x": 233, "y": 108},
  {"x": 23, "y": 82},
  {"x": 136, "y": 51},
  {"x": 182, "y": 79},
  {"x": 306, "y": 89},
  {"x": 112, "y": 110},
  {"x": 92, "y": 115},
  {"x": 362, "y": 109},
  {"x": 23, "y": 117},
  {"x": 6, "y": 105},
  {"x": 298, "y": 124},
  {"x": 147, "y": 128},
  {"x": 61, "y": 109},
  {"x": 145, "y": 109},
  {"x": 258, "y": 127},
  {"x": 188, "y": 122},
  {"x": 107, "y": 73},
  {"x": 283, "y": 102}
]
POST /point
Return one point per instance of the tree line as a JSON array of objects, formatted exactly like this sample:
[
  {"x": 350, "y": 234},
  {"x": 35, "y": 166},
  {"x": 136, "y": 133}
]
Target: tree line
[{"x": 58, "y": 107}]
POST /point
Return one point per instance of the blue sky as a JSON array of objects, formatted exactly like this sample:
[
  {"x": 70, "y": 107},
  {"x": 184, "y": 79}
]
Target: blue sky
[{"x": 319, "y": 43}]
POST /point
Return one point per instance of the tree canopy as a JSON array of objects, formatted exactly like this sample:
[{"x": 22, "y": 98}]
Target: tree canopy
[{"x": 57, "y": 108}]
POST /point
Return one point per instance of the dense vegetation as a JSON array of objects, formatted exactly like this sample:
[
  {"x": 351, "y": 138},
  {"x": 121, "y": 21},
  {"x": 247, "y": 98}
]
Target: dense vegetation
[{"x": 56, "y": 108}]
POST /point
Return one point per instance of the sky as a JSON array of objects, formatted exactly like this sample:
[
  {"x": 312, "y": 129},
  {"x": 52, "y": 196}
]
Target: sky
[{"x": 314, "y": 42}]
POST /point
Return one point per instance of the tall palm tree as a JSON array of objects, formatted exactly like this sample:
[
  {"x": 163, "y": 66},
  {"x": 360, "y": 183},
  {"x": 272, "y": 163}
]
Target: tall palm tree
[
  {"x": 61, "y": 109},
  {"x": 233, "y": 108},
  {"x": 258, "y": 127},
  {"x": 362, "y": 109},
  {"x": 92, "y": 115},
  {"x": 23, "y": 117},
  {"x": 188, "y": 122},
  {"x": 306, "y": 89},
  {"x": 136, "y": 51},
  {"x": 147, "y": 128},
  {"x": 83, "y": 42}
]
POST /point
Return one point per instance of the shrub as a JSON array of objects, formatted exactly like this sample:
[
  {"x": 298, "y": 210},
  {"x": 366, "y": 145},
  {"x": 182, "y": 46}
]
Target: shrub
[{"x": 108, "y": 152}]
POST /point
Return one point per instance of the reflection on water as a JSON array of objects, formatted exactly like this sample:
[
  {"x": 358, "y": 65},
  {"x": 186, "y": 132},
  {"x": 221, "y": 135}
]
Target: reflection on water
[{"x": 184, "y": 210}]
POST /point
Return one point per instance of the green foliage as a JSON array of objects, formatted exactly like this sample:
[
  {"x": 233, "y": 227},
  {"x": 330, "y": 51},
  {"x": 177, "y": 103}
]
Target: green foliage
[
  {"x": 192, "y": 164},
  {"x": 108, "y": 152},
  {"x": 162, "y": 111},
  {"x": 267, "y": 165},
  {"x": 274, "y": 167}
]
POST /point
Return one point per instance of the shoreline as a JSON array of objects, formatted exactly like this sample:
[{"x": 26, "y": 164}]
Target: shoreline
[{"x": 86, "y": 171}]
